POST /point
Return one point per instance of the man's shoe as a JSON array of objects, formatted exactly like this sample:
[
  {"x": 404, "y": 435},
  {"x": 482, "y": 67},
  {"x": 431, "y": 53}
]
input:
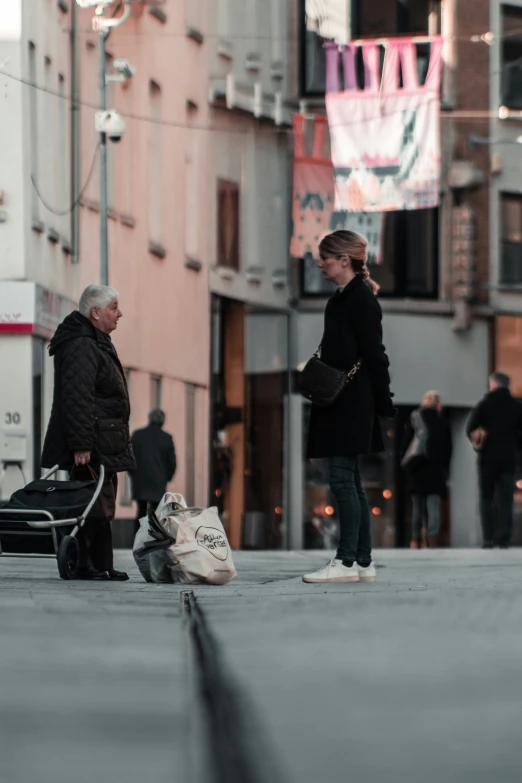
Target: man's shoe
[
  {"x": 487, "y": 545},
  {"x": 118, "y": 576},
  {"x": 432, "y": 542},
  {"x": 90, "y": 573},
  {"x": 367, "y": 573},
  {"x": 334, "y": 571},
  {"x": 415, "y": 544}
]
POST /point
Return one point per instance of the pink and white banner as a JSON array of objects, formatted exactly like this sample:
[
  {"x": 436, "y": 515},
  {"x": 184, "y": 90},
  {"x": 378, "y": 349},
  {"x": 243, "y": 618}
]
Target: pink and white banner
[
  {"x": 385, "y": 143},
  {"x": 313, "y": 194}
]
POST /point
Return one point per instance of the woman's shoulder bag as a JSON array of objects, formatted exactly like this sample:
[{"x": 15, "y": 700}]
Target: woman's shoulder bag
[{"x": 322, "y": 384}]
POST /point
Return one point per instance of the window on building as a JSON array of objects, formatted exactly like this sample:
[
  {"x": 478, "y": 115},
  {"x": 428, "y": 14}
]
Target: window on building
[
  {"x": 62, "y": 183},
  {"x": 409, "y": 258},
  {"x": 510, "y": 238},
  {"x": 34, "y": 135},
  {"x": 511, "y": 70},
  {"x": 228, "y": 223},
  {"x": 155, "y": 165},
  {"x": 192, "y": 200},
  {"x": 48, "y": 136},
  {"x": 340, "y": 21},
  {"x": 155, "y": 391}
]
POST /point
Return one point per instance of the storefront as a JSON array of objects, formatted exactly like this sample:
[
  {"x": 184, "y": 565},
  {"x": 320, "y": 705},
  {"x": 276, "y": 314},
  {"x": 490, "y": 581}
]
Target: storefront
[{"x": 248, "y": 433}]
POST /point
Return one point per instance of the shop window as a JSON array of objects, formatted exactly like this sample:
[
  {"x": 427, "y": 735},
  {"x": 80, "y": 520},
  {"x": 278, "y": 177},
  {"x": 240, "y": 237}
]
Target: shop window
[
  {"x": 510, "y": 238},
  {"x": 409, "y": 259},
  {"x": 340, "y": 21},
  {"x": 511, "y": 67}
]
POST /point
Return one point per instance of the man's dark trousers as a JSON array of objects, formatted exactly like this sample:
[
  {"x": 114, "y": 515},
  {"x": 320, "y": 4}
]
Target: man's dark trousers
[{"x": 496, "y": 483}]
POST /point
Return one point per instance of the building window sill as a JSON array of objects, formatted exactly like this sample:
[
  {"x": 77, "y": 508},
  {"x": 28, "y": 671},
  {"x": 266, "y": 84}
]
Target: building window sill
[
  {"x": 193, "y": 263},
  {"x": 38, "y": 226},
  {"x": 226, "y": 272},
  {"x": 158, "y": 14},
  {"x": 155, "y": 249},
  {"x": 66, "y": 247},
  {"x": 91, "y": 204},
  {"x": 253, "y": 62},
  {"x": 195, "y": 35},
  {"x": 53, "y": 236},
  {"x": 507, "y": 288},
  {"x": 127, "y": 220},
  {"x": 225, "y": 49},
  {"x": 112, "y": 213},
  {"x": 63, "y": 5}
]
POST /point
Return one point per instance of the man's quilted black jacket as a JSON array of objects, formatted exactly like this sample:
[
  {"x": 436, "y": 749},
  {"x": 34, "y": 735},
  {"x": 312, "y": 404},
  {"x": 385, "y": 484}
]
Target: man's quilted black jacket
[{"x": 90, "y": 402}]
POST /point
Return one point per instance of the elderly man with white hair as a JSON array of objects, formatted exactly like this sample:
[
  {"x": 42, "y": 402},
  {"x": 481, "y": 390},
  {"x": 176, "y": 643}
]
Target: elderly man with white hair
[{"x": 89, "y": 423}]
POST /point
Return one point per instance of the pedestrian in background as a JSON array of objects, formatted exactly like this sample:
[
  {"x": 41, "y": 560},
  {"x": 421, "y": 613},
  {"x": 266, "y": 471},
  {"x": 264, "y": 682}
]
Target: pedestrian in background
[
  {"x": 155, "y": 463},
  {"x": 89, "y": 423},
  {"x": 350, "y": 427},
  {"x": 495, "y": 428},
  {"x": 427, "y": 476}
]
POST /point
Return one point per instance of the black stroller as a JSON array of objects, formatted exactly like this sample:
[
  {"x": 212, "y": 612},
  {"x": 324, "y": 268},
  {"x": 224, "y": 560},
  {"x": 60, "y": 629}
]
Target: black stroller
[{"x": 44, "y": 518}]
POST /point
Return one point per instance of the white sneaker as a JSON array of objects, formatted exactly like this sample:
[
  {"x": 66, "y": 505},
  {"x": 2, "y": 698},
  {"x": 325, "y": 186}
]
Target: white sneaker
[
  {"x": 367, "y": 574},
  {"x": 334, "y": 571}
]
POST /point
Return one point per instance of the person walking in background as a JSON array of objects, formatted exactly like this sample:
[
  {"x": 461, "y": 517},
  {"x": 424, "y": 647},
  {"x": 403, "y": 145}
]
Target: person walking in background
[
  {"x": 155, "y": 463},
  {"x": 427, "y": 476},
  {"x": 350, "y": 427},
  {"x": 89, "y": 423},
  {"x": 494, "y": 428}
]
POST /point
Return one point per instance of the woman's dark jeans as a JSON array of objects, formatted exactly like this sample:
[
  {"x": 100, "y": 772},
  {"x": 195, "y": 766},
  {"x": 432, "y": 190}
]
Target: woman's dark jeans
[{"x": 355, "y": 543}]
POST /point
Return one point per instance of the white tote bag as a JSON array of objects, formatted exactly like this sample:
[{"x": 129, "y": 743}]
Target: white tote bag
[{"x": 201, "y": 553}]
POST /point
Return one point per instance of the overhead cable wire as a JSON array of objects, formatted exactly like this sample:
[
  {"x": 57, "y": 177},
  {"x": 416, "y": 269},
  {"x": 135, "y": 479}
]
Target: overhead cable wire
[{"x": 63, "y": 212}]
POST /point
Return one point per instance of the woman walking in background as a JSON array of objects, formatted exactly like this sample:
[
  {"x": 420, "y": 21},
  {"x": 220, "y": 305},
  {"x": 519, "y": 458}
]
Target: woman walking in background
[
  {"x": 427, "y": 476},
  {"x": 350, "y": 427}
]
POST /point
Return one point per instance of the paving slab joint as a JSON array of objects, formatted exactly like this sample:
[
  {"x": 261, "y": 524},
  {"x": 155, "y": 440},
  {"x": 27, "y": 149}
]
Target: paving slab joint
[{"x": 239, "y": 749}]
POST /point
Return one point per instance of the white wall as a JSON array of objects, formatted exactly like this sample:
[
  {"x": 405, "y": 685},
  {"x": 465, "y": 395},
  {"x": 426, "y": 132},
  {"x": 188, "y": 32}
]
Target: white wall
[
  {"x": 16, "y": 398},
  {"x": 11, "y": 165},
  {"x": 425, "y": 353}
]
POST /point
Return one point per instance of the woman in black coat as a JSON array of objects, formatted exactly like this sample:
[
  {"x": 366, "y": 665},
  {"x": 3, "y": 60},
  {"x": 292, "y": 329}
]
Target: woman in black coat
[
  {"x": 349, "y": 427},
  {"x": 427, "y": 478},
  {"x": 89, "y": 422}
]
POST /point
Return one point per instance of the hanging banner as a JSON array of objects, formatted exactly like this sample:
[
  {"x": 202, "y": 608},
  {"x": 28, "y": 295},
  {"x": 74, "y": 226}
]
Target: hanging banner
[
  {"x": 385, "y": 143},
  {"x": 313, "y": 193},
  {"x": 313, "y": 198}
]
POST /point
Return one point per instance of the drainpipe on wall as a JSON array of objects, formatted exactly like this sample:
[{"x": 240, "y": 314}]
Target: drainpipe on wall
[{"x": 75, "y": 136}]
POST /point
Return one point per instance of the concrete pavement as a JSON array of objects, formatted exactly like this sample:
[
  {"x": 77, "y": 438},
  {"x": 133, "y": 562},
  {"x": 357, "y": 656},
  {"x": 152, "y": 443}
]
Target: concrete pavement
[{"x": 413, "y": 678}]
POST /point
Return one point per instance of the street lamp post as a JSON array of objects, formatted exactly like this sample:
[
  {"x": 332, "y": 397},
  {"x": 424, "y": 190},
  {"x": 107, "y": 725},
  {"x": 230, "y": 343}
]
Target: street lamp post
[{"x": 103, "y": 25}]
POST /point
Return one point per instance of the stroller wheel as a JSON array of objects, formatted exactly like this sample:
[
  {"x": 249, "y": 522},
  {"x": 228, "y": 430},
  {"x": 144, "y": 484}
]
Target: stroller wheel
[{"x": 69, "y": 558}]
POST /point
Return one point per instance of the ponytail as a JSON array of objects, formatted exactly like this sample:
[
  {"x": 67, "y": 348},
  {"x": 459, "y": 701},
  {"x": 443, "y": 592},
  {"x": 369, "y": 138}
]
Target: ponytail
[{"x": 349, "y": 243}]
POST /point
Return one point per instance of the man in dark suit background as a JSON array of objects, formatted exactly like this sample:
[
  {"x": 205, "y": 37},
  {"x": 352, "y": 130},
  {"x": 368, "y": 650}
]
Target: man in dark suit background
[
  {"x": 155, "y": 460},
  {"x": 495, "y": 428}
]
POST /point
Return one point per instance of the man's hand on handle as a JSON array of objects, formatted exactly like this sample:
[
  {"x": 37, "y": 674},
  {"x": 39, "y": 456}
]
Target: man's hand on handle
[{"x": 82, "y": 457}]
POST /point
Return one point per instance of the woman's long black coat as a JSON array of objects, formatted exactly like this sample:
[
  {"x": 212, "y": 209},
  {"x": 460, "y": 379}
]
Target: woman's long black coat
[{"x": 352, "y": 331}]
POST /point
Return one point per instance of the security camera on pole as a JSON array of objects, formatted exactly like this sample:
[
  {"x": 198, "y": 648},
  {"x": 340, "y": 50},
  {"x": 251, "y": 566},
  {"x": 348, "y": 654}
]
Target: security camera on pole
[{"x": 107, "y": 122}]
